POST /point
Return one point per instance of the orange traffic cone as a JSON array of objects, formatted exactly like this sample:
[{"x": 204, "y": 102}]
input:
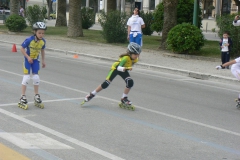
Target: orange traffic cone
[
  {"x": 14, "y": 48},
  {"x": 75, "y": 56}
]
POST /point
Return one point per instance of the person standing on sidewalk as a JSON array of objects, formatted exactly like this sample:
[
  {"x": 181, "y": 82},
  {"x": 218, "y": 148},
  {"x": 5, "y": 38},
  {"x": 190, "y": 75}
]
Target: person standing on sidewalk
[
  {"x": 135, "y": 25},
  {"x": 226, "y": 45},
  {"x": 31, "y": 48},
  {"x": 21, "y": 11}
]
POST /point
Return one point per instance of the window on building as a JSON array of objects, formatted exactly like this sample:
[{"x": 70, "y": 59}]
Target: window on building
[
  {"x": 226, "y": 6},
  {"x": 151, "y": 4}
]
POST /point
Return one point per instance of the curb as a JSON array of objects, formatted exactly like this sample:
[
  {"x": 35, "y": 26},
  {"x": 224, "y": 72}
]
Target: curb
[{"x": 192, "y": 74}]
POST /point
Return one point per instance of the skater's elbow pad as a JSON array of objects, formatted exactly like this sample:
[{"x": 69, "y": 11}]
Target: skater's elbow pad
[{"x": 121, "y": 69}]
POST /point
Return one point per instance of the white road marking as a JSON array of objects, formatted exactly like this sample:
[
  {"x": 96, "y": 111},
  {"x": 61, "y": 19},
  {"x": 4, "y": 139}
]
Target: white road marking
[
  {"x": 33, "y": 141},
  {"x": 61, "y": 135},
  {"x": 150, "y": 110}
]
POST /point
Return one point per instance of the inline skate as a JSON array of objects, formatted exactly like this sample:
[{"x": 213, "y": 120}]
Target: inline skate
[
  {"x": 126, "y": 104},
  {"x": 38, "y": 101},
  {"x": 88, "y": 98},
  {"x": 23, "y": 102},
  {"x": 238, "y": 103}
]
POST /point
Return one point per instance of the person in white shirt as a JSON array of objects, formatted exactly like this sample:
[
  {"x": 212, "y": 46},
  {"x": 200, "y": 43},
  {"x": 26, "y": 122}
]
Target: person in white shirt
[{"x": 135, "y": 25}]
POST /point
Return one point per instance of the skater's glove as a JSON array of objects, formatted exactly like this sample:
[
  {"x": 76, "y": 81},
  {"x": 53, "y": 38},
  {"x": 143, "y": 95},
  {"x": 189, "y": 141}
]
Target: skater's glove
[
  {"x": 219, "y": 67},
  {"x": 128, "y": 68}
]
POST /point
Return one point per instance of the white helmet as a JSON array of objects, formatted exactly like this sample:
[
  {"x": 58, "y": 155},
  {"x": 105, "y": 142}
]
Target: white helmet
[
  {"x": 39, "y": 25},
  {"x": 134, "y": 48}
]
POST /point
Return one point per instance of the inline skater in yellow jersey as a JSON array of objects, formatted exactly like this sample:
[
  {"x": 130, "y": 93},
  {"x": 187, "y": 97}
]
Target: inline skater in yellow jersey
[
  {"x": 121, "y": 68},
  {"x": 31, "y": 48}
]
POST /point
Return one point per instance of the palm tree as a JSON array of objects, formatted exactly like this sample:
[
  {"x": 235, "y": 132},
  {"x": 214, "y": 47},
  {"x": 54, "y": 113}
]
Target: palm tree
[
  {"x": 14, "y": 6},
  {"x": 75, "y": 20},
  {"x": 169, "y": 20},
  {"x": 61, "y": 13},
  {"x": 111, "y": 5}
]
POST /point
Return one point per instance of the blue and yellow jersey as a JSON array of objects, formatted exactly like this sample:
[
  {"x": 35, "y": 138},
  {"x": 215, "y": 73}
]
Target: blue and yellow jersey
[
  {"x": 124, "y": 61},
  {"x": 33, "y": 47}
]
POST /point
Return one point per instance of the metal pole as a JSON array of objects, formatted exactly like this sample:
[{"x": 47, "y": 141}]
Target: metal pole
[
  {"x": 195, "y": 13},
  {"x": 217, "y": 7}
]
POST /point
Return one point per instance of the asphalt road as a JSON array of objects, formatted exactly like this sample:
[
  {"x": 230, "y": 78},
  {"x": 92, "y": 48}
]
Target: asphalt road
[{"x": 176, "y": 117}]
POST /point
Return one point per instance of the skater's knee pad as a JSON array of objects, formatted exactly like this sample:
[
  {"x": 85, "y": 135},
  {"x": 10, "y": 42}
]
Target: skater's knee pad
[
  {"x": 26, "y": 79},
  {"x": 129, "y": 82},
  {"x": 105, "y": 84},
  {"x": 36, "y": 79}
]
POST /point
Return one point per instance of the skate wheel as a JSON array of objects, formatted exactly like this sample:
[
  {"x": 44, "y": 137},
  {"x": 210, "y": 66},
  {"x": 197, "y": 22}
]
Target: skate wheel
[
  {"x": 25, "y": 107},
  {"x": 238, "y": 106},
  {"x": 82, "y": 102},
  {"x": 40, "y": 105},
  {"x": 121, "y": 105}
]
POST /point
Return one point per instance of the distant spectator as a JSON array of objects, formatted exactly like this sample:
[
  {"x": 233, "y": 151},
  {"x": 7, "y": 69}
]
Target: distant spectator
[
  {"x": 135, "y": 25},
  {"x": 21, "y": 12},
  {"x": 226, "y": 45}
]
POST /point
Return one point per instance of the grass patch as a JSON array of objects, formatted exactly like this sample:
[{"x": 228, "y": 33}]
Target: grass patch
[{"x": 210, "y": 48}]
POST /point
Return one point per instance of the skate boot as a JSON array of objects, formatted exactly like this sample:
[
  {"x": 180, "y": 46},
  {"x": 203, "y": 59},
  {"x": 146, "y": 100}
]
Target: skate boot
[
  {"x": 126, "y": 104},
  {"x": 88, "y": 98},
  {"x": 23, "y": 102},
  {"x": 238, "y": 103},
  {"x": 38, "y": 101}
]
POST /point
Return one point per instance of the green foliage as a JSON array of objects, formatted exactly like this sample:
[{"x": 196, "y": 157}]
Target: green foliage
[
  {"x": 114, "y": 26},
  {"x": 148, "y": 19},
  {"x": 88, "y": 17},
  {"x": 225, "y": 24},
  {"x": 185, "y": 38},
  {"x": 35, "y": 14},
  {"x": 16, "y": 23},
  {"x": 157, "y": 24},
  {"x": 184, "y": 14}
]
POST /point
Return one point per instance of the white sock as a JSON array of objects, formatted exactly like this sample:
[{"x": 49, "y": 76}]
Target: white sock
[
  {"x": 94, "y": 92},
  {"x": 124, "y": 95}
]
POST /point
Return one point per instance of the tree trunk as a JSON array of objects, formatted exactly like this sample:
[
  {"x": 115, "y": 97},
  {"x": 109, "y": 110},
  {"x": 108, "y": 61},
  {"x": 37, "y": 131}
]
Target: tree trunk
[
  {"x": 14, "y": 6},
  {"x": 75, "y": 20},
  {"x": 170, "y": 19},
  {"x": 61, "y": 13},
  {"x": 111, "y": 5}
]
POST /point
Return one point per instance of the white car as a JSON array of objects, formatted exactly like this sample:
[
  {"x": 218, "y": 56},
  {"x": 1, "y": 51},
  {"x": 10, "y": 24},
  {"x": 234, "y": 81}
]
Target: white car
[{"x": 7, "y": 12}]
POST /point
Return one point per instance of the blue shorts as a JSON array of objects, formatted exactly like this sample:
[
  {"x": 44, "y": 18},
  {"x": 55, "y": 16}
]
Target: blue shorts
[
  {"x": 27, "y": 67},
  {"x": 137, "y": 39}
]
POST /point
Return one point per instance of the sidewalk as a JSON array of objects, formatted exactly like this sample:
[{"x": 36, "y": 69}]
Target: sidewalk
[{"x": 193, "y": 66}]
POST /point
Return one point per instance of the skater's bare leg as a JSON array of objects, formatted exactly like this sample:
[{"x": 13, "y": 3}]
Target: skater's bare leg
[
  {"x": 125, "y": 92},
  {"x": 36, "y": 89},
  {"x": 24, "y": 88}
]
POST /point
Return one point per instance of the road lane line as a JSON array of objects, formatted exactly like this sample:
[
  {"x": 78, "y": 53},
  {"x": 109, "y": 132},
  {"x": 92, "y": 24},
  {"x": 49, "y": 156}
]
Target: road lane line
[
  {"x": 45, "y": 101},
  {"x": 146, "y": 109},
  {"x": 9, "y": 154},
  {"x": 61, "y": 135}
]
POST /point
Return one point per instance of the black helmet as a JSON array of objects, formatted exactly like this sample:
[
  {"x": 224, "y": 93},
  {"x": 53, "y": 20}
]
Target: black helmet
[
  {"x": 39, "y": 25},
  {"x": 134, "y": 48}
]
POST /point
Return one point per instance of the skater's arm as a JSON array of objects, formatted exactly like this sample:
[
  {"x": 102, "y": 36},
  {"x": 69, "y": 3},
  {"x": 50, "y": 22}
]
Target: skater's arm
[
  {"x": 226, "y": 64},
  {"x": 229, "y": 63},
  {"x": 43, "y": 58},
  {"x": 236, "y": 21},
  {"x": 129, "y": 29},
  {"x": 26, "y": 55}
]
